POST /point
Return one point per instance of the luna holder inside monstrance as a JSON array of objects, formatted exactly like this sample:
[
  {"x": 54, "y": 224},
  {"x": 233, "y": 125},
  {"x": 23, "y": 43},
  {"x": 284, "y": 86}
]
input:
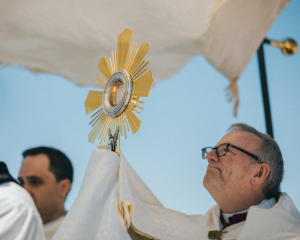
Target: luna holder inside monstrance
[{"x": 125, "y": 79}]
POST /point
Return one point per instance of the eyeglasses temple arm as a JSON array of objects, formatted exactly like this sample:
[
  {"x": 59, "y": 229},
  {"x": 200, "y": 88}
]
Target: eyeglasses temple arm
[{"x": 250, "y": 154}]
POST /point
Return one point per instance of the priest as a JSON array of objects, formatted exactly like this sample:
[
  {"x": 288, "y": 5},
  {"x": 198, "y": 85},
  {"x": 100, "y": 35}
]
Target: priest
[{"x": 244, "y": 173}]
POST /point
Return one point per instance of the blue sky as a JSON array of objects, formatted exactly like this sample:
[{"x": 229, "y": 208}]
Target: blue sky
[{"x": 183, "y": 114}]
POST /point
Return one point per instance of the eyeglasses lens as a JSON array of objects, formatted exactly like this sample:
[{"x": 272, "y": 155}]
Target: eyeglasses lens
[
  {"x": 205, "y": 151},
  {"x": 221, "y": 150}
]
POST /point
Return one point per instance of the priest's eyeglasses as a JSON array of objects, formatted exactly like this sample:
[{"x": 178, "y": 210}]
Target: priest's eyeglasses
[{"x": 222, "y": 149}]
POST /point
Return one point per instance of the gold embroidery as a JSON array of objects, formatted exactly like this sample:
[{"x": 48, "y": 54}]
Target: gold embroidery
[{"x": 216, "y": 234}]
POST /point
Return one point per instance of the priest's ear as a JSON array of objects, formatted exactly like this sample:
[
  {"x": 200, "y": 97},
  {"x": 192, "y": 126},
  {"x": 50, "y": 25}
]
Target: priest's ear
[
  {"x": 261, "y": 173},
  {"x": 64, "y": 188}
]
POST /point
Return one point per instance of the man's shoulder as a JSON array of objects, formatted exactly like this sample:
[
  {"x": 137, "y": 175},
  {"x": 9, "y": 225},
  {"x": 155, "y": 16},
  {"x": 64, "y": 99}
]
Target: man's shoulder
[
  {"x": 271, "y": 218},
  {"x": 12, "y": 192},
  {"x": 284, "y": 205},
  {"x": 19, "y": 216},
  {"x": 267, "y": 220},
  {"x": 13, "y": 196}
]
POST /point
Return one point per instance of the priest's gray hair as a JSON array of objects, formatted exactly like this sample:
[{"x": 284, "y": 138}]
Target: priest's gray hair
[{"x": 269, "y": 152}]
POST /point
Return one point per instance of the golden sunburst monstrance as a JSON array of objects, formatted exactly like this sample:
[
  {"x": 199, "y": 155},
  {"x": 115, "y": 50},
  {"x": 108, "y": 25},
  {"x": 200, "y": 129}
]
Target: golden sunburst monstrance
[{"x": 125, "y": 80}]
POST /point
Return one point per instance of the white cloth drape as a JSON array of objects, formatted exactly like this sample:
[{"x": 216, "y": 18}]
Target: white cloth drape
[
  {"x": 113, "y": 198},
  {"x": 19, "y": 218},
  {"x": 69, "y": 37}
]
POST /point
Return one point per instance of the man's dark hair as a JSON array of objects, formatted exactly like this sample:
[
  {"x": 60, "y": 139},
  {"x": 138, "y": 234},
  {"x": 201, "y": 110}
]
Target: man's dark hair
[{"x": 60, "y": 164}]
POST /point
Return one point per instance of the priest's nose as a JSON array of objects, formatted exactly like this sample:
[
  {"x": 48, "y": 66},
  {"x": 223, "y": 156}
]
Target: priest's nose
[{"x": 212, "y": 156}]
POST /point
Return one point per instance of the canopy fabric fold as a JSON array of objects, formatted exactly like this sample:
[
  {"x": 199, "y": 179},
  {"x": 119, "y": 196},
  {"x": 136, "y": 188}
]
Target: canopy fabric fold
[{"x": 70, "y": 37}]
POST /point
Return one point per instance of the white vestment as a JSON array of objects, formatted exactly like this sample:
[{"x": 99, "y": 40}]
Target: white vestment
[
  {"x": 113, "y": 198},
  {"x": 19, "y": 218}
]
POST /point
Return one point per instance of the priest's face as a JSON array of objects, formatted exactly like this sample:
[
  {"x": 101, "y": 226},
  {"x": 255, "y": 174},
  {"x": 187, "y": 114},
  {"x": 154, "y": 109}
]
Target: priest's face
[
  {"x": 41, "y": 184},
  {"x": 229, "y": 177}
]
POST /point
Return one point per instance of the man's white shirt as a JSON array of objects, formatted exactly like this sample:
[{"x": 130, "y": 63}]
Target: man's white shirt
[{"x": 51, "y": 227}]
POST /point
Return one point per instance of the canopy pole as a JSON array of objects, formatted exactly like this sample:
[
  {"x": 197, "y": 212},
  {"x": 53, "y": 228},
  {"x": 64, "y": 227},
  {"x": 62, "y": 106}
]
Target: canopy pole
[
  {"x": 264, "y": 88},
  {"x": 288, "y": 47}
]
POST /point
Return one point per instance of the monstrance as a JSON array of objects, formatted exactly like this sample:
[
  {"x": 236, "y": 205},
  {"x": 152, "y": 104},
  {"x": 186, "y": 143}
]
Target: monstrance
[{"x": 125, "y": 79}]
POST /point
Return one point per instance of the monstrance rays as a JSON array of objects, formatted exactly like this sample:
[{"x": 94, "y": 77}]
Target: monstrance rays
[{"x": 125, "y": 67}]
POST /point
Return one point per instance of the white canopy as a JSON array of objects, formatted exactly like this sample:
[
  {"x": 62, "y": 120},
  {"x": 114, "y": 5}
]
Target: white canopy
[{"x": 70, "y": 37}]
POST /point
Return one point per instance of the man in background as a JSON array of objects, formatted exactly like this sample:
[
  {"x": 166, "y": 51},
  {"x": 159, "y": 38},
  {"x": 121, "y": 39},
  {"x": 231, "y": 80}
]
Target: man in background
[
  {"x": 47, "y": 174},
  {"x": 19, "y": 218}
]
